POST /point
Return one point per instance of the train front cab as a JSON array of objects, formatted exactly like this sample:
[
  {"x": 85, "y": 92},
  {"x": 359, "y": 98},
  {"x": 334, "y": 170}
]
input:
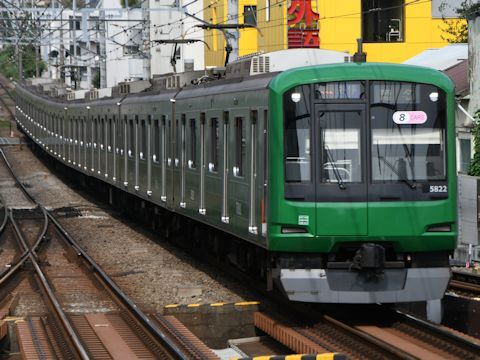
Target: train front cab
[{"x": 363, "y": 204}]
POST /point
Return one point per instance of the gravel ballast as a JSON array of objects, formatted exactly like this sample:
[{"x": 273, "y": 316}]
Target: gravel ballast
[{"x": 151, "y": 271}]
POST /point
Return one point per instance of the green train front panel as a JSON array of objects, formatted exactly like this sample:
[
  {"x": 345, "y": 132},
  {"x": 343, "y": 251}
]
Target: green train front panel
[{"x": 362, "y": 164}]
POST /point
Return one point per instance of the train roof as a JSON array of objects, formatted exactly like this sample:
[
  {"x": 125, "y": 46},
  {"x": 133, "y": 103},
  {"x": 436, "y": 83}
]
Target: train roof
[
  {"x": 360, "y": 71},
  {"x": 279, "y": 82}
]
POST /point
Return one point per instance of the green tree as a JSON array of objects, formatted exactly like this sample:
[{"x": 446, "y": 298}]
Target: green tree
[
  {"x": 131, "y": 3},
  {"x": 96, "y": 79},
  {"x": 456, "y": 30},
  {"x": 474, "y": 168},
  {"x": 9, "y": 62}
]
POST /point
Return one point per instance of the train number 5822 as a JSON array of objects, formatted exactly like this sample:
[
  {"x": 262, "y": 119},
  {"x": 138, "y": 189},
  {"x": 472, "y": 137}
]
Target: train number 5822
[{"x": 438, "y": 188}]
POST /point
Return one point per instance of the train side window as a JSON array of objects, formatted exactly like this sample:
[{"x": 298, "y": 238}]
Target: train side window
[
  {"x": 156, "y": 141},
  {"x": 110, "y": 134},
  {"x": 102, "y": 140},
  {"x": 131, "y": 138},
  {"x": 73, "y": 130},
  {"x": 297, "y": 156},
  {"x": 143, "y": 140},
  {"x": 95, "y": 132},
  {"x": 179, "y": 156},
  {"x": 81, "y": 131},
  {"x": 162, "y": 144},
  {"x": 63, "y": 127},
  {"x": 214, "y": 143},
  {"x": 192, "y": 153},
  {"x": 240, "y": 147}
]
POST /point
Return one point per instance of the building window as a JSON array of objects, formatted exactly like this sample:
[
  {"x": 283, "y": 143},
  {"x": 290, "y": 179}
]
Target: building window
[
  {"x": 250, "y": 15},
  {"x": 131, "y": 49},
  {"x": 267, "y": 10},
  {"x": 382, "y": 20},
  {"x": 74, "y": 23},
  {"x": 73, "y": 49}
]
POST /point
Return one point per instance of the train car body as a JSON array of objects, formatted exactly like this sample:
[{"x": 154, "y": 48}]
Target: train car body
[{"x": 340, "y": 176}]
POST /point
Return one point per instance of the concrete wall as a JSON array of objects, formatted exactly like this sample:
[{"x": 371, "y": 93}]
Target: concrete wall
[{"x": 468, "y": 214}]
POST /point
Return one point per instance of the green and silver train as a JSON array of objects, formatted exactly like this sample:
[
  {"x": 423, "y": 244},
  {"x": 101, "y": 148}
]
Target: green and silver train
[{"x": 335, "y": 181}]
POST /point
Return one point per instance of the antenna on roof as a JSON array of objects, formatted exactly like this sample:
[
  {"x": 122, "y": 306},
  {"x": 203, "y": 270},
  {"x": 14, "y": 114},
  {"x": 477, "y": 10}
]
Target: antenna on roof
[{"x": 360, "y": 56}]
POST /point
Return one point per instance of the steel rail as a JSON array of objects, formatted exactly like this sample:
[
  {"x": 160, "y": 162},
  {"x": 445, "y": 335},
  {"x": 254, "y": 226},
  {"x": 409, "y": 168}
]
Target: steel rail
[
  {"x": 43, "y": 282},
  {"x": 2, "y": 100},
  {"x": 17, "y": 180},
  {"x": 5, "y": 214},
  {"x": 18, "y": 263},
  {"x": 139, "y": 315},
  {"x": 465, "y": 286},
  {"x": 30, "y": 254},
  {"x": 455, "y": 338},
  {"x": 125, "y": 300},
  {"x": 465, "y": 274},
  {"x": 389, "y": 348}
]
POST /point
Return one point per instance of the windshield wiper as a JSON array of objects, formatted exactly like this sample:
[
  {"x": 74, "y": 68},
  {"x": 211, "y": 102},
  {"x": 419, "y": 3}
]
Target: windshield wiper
[
  {"x": 340, "y": 183},
  {"x": 400, "y": 176}
]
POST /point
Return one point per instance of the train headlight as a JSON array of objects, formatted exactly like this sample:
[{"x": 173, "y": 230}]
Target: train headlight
[
  {"x": 433, "y": 96},
  {"x": 296, "y": 97}
]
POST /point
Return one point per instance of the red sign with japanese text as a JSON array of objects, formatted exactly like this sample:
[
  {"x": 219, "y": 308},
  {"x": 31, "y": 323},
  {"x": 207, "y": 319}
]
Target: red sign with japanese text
[{"x": 302, "y": 25}]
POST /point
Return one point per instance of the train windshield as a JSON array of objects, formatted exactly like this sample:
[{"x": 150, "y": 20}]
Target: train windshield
[
  {"x": 408, "y": 132},
  {"x": 343, "y": 137}
]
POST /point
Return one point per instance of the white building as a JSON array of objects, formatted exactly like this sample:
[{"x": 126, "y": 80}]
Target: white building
[
  {"x": 107, "y": 44},
  {"x": 171, "y": 22}
]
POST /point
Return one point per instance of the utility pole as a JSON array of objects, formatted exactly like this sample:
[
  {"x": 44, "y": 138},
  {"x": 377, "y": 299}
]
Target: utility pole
[
  {"x": 18, "y": 50},
  {"x": 474, "y": 61},
  {"x": 232, "y": 35},
  {"x": 103, "y": 49}
]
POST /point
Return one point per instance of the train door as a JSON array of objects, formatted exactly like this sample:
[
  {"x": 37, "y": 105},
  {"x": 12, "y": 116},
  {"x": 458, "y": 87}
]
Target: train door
[
  {"x": 179, "y": 161},
  {"x": 123, "y": 159},
  {"x": 213, "y": 154},
  {"x": 172, "y": 124},
  {"x": 143, "y": 158},
  {"x": 192, "y": 175},
  {"x": 340, "y": 171},
  {"x": 109, "y": 151},
  {"x": 132, "y": 152},
  {"x": 100, "y": 145},
  {"x": 154, "y": 183},
  {"x": 239, "y": 179}
]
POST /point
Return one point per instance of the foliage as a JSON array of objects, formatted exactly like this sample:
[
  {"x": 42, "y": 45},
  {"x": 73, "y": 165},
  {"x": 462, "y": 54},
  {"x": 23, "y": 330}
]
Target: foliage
[
  {"x": 4, "y": 123},
  {"x": 80, "y": 4},
  {"x": 131, "y": 3},
  {"x": 96, "y": 79},
  {"x": 9, "y": 62},
  {"x": 474, "y": 168},
  {"x": 456, "y": 30}
]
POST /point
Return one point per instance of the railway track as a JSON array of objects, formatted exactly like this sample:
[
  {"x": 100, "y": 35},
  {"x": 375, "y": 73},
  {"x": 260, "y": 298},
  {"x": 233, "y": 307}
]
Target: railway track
[
  {"x": 7, "y": 101},
  {"x": 465, "y": 282},
  {"x": 398, "y": 337},
  {"x": 329, "y": 335},
  {"x": 86, "y": 314}
]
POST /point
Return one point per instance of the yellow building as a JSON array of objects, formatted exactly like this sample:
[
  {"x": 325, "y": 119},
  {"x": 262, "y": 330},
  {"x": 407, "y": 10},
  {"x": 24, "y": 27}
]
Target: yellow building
[{"x": 392, "y": 30}]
